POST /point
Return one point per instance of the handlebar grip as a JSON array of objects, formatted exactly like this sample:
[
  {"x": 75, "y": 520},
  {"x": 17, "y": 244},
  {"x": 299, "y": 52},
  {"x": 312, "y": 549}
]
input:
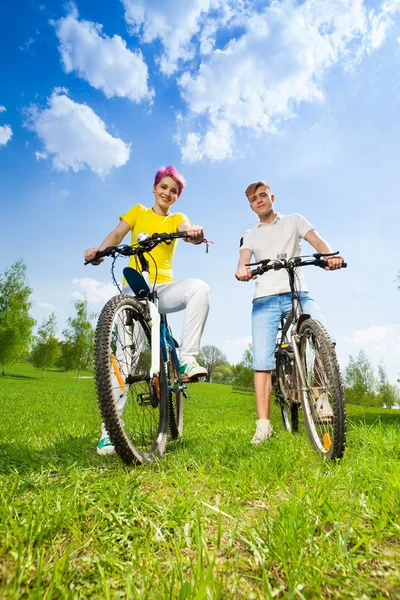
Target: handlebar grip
[
  {"x": 169, "y": 236},
  {"x": 100, "y": 254},
  {"x": 324, "y": 263}
]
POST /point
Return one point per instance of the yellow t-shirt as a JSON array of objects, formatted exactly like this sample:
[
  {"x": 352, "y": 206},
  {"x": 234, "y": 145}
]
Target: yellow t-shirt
[{"x": 145, "y": 219}]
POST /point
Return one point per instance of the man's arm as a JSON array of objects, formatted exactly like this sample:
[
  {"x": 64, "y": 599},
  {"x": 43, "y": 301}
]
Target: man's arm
[
  {"x": 320, "y": 245},
  {"x": 196, "y": 232},
  {"x": 243, "y": 273},
  {"x": 113, "y": 239}
]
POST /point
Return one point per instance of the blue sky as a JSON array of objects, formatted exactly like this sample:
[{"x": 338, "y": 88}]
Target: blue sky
[{"x": 305, "y": 94}]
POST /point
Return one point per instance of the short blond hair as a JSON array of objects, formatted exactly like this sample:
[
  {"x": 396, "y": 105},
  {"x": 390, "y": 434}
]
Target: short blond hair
[{"x": 253, "y": 187}]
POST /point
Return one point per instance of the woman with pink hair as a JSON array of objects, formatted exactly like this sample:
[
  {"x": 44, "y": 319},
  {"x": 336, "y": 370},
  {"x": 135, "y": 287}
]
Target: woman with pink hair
[{"x": 190, "y": 295}]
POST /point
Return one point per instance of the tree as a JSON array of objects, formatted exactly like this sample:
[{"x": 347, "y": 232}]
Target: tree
[
  {"x": 360, "y": 381},
  {"x": 243, "y": 373},
  {"x": 211, "y": 357},
  {"x": 47, "y": 347},
  {"x": 15, "y": 322},
  {"x": 222, "y": 373},
  {"x": 77, "y": 348},
  {"x": 387, "y": 392}
]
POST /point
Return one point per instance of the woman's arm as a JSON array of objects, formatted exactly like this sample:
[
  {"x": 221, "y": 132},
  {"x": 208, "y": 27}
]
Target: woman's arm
[{"x": 113, "y": 239}]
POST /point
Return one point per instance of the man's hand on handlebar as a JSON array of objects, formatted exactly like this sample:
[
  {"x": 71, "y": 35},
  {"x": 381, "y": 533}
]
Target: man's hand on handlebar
[
  {"x": 244, "y": 274},
  {"x": 334, "y": 262},
  {"x": 90, "y": 254}
]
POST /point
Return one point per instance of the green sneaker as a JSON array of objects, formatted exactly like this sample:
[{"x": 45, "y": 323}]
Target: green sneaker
[
  {"x": 191, "y": 370},
  {"x": 105, "y": 446}
]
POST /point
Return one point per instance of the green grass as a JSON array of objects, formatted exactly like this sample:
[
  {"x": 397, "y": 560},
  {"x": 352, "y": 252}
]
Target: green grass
[{"x": 216, "y": 518}]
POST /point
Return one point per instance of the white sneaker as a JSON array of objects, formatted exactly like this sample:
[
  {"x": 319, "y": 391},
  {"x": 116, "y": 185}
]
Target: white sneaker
[
  {"x": 105, "y": 446},
  {"x": 191, "y": 370},
  {"x": 263, "y": 431},
  {"x": 323, "y": 409}
]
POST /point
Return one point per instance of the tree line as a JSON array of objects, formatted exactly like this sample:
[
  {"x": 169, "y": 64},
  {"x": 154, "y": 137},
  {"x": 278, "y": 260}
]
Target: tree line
[
  {"x": 44, "y": 350},
  {"x": 75, "y": 351}
]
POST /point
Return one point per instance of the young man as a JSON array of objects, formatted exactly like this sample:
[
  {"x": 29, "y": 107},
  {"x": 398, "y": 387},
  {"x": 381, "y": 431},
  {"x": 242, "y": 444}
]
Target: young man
[
  {"x": 274, "y": 234},
  {"x": 190, "y": 295}
]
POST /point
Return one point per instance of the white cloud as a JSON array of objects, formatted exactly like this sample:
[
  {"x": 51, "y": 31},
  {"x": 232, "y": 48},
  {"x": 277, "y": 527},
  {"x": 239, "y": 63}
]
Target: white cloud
[
  {"x": 26, "y": 45},
  {"x": 176, "y": 23},
  {"x": 76, "y": 138},
  {"x": 41, "y": 155},
  {"x": 104, "y": 62},
  {"x": 381, "y": 21},
  {"x": 244, "y": 341},
  {"x": 95, "y": 291},
  {"x": 48, "y": 306},
  {"x": 258, "y": 80},
  {"x": 381, "y": 343},
  {"x": 378, "y": 336},
  {"x": 5, "y": 134},
  {"x": 2, "y": 109}
]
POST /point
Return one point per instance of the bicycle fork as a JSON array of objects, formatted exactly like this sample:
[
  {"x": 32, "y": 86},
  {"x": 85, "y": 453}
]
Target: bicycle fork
[{"x": 303, "y": 383}]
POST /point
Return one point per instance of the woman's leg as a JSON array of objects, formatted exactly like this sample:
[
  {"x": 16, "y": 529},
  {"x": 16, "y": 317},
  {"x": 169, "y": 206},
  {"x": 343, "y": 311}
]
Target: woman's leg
[{"x": 192, "y": 296}]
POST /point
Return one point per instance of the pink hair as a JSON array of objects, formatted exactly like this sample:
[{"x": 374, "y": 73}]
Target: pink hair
[{"x": 170, "y": 171}]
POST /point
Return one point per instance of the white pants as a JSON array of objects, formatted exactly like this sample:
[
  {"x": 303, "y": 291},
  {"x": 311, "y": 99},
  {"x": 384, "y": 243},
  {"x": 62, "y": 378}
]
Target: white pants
[{"x": 192, "y": 296}]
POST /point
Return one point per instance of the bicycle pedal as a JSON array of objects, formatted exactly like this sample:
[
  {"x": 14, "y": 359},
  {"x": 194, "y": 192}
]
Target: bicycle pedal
[{"x": 189, "y": 379}]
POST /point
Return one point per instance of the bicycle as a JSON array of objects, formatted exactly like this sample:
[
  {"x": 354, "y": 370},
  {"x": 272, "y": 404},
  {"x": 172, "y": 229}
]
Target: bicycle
[
  {"x": 306, "y": 371},
  {"x": 137, "y": 370}
]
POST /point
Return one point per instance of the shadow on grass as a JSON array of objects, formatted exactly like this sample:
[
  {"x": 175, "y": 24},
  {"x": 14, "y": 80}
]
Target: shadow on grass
[
  {"x": 62, "y": 454},
  {"x": 15, "y": 376},
  {"x": 370, "y": 416}
]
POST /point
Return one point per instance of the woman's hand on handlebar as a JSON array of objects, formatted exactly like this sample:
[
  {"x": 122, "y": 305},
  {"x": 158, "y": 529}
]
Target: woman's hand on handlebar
[
  {"x": 90, "y": 254},
  {"x": 195, "y": 234}
]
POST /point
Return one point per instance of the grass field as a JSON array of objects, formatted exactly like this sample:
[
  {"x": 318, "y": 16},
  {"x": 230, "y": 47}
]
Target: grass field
[{"x": 216, "y": 518}]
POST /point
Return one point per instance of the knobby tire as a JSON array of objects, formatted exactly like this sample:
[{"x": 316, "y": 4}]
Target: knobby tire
[
  {"x": 123, "y": 350},
  {"x": 326, "y": 428},
  {"x": 175, "y": 396}
]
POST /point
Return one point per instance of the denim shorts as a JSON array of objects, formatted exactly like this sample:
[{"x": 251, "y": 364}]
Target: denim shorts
[{"x": 266, "y": 319}]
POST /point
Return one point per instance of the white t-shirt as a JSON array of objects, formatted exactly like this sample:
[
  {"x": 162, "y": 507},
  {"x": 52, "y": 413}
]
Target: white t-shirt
[{"x": 282, "y": 236}]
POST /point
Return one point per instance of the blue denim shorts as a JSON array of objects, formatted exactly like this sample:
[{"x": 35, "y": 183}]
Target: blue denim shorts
[{"x": 266, "y": 318}]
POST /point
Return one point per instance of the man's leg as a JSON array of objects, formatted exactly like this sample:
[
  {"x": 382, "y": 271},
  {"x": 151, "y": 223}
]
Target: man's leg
[
  {"x": 192, "y": 296},
  {"x": 262, "y": 386},
  {"x": 266, "y": 316},
  {"x": 310, "y": 307}
]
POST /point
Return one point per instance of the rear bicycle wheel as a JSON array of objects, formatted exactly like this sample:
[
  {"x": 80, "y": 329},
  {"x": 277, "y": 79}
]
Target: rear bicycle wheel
[
  {"x": 175, "y": 395},
  {"x": 323, "y": 397},
  {"x": 134, "y": 405},
  {"x": 289, "y": 409}
]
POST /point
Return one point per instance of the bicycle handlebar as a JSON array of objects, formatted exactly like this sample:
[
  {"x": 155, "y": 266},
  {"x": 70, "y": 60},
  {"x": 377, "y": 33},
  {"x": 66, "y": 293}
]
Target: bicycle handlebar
[
  {"x": 297, "y": 261},
  {"x": 144, "y": 244}
]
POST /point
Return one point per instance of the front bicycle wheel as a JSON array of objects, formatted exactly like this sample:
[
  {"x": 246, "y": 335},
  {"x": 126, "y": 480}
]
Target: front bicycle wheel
[
  {"x": 134, "y": 405},
  {"x": 289, "y": 408},
  {"x": 175, "y": 395},
  {"x": 323, "y": 396}
]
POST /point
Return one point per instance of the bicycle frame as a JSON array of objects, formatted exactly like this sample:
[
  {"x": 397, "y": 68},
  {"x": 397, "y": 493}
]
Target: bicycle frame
[
  {"x": 294, "y": 319},
  {"x": 161, "y": 337}
]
